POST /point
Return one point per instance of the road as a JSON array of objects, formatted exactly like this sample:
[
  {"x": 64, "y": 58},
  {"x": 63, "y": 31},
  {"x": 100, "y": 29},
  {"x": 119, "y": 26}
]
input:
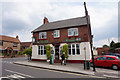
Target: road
[{"x": 10, "y": 70}]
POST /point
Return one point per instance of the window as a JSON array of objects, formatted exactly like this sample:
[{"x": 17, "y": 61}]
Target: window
[
  {"x": 78, "y": 48},
  {"x": 109, "y": 58},
  {"x": 41, "y": 50},
  {"x": 1, "y": 43},
  {"x": 101, "y": 58},
  {"x": 74, "y": 49},
  {"x": 56, "y": 33},
  {"x": 42, "y": 35},
  {"x": 69, "y": 47},
  {"x": 14, "y": 44},
  {"x": 73, "y": 32}
]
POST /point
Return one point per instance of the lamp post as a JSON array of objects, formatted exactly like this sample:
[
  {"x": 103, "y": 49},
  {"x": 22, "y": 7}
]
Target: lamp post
[{"x": 87, "y": 18}]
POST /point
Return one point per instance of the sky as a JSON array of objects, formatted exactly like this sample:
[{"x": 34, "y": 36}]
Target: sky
[{"x": 20, "y": 17}]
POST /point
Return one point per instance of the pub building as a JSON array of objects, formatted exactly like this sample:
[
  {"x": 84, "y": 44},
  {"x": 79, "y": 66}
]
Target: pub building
[{"x": 73, "y": 32}]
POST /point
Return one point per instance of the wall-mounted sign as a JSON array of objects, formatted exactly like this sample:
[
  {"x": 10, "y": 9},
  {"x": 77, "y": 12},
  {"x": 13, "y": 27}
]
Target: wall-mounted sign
[
  {"x": 71, "y": 40},
  {"x": 33, "y": 40}
]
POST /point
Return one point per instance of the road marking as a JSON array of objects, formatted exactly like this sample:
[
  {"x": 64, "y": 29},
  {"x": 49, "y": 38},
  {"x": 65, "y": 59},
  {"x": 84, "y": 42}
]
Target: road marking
[
  {"x": 15, "y": 76},
  {"x": 19, "y": 73}
]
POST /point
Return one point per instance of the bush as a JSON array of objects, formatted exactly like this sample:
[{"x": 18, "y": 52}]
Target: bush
[
  {"x": 20, "y": 53},
  {"x": 48, "y": 52},
  {"x": 65, "y": 49},
  {"x": 13, "y": 55}
]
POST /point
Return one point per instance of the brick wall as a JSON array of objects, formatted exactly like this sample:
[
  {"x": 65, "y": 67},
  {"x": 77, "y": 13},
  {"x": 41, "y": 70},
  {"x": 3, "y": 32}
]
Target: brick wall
[
  {"x": 105, "y": 50},
  {"x": 82, "y": 30}
]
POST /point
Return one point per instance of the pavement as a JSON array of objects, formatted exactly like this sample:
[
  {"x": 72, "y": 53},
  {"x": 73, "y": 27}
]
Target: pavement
[{"x": 72, "y": 68}]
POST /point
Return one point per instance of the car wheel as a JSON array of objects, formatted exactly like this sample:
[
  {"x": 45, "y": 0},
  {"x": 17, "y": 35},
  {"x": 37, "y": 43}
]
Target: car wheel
[
  {"x": 115, "y": 67},
  {"x": 91, "y": 64}
]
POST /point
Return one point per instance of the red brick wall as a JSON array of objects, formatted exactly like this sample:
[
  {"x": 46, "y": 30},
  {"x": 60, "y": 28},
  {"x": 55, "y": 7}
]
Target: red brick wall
[
  {"x": 100, "y": 50},
  {"x": 83, "y": 34}
]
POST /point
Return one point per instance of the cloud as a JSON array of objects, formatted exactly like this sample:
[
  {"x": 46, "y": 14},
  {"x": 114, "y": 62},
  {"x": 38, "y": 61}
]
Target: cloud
[
  {"x": 22, "y": 17},
  {"x": 106, "y": 41}
]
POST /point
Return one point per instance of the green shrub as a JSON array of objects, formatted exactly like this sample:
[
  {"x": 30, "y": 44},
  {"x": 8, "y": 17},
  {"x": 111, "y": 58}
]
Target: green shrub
[
  {"x": 20, "y": 53},
  {"x": 48, "y": 52},
  {"x": 65, "y": 49}
]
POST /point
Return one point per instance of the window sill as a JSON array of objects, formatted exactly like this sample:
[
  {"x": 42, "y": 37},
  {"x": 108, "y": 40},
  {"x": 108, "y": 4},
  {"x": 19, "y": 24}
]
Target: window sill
[
  {"x": 43, "y": 39},
  {"x": 73, "y": 36},
  {"x": 56, "y": 37}
]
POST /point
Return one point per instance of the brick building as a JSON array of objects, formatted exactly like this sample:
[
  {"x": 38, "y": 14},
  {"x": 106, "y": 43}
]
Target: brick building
[
  {"x": 103, "y": 50},
  {"x": 25, "y": 45},
  {"x": 9, "y": 45},
  {"x": 73, "y": 32}
]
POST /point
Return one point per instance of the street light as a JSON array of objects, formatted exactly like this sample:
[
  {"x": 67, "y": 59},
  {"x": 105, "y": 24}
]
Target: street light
[{"x": 87, "y": 18}]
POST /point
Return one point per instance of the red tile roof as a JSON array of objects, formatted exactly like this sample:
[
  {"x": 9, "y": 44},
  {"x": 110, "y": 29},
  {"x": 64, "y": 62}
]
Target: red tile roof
[{"x": 10, "y": 39}]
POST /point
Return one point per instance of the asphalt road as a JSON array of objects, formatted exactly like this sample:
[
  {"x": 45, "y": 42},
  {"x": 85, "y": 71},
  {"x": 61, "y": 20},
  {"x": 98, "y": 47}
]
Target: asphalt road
[{"x": 10, "y": 70}]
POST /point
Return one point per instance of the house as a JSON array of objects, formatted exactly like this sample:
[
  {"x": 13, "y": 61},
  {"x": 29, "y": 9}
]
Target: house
[
  {"x": 9, "y": 45},
  {"x": 73, "y": 32},
  {"x": 103, "y": 50},
  {"x": 25, "y": 45}
]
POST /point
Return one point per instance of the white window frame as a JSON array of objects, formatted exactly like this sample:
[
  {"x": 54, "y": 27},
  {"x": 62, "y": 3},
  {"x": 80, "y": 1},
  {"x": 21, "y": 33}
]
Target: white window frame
[
  {"x": 75, "y": 49},
  {"x": 56, "y": 33},
  {"x": 39, "y": 49},
  {"x": 42, "y": 34},
  {"x": 73, "y": 31}
]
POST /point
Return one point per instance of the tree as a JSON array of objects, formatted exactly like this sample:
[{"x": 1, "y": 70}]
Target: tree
[
  {"x": 48, "y": 52},
  {"x": 65, "y": 49},
  {"x": 105, "y": 46},
  {"x": 28, "y": 52},
  {"x": 112, "y": 44}
]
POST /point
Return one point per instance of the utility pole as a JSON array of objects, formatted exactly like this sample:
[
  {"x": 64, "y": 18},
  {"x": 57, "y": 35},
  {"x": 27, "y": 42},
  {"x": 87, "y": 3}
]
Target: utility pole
[{"x": 89, "y": 32}]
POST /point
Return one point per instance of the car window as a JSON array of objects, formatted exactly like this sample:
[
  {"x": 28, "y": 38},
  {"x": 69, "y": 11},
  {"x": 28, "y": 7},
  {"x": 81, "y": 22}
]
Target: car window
[
  {"x": 109, "y": 58},
  {"x": 101, "y": 58},
  {"x": 118, "y": 58}
]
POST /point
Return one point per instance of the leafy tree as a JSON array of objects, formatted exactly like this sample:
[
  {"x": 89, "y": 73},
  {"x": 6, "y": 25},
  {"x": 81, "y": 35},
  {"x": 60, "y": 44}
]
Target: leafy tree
[
  {"x": 28, "y": 52},
  {"x": 105, "y": 46},
  {"x": 65, "y": 49},
  {"x": 48, "y": 52}
]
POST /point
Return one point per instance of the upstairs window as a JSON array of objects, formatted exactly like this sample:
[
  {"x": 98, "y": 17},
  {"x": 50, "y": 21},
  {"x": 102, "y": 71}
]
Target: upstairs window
[
  {"x": 14, "y": 44},
  {"x": 56, "y": 33},
  {"x": 42, "y": 35},
  {"x": 73, "y": 32}
]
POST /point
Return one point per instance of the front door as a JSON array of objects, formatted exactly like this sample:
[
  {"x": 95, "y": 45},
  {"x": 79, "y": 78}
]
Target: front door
[{"x": 57, "y": 52}]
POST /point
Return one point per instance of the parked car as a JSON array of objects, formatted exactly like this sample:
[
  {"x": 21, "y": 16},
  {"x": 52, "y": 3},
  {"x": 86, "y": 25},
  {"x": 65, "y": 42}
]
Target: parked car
[
  {"x": 113, "y": 54},
  {"x": 107, "y": 61}
]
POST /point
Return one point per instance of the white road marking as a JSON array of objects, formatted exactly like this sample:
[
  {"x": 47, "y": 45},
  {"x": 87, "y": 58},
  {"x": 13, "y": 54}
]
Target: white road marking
[
  {"x": 19, "y": 73},
  {"x": 15, "y": 76}
]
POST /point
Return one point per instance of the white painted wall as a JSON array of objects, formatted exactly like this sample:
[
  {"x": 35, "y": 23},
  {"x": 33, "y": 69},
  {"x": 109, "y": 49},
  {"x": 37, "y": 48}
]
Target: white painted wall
[
  {"x": 71, "y": 57},
  {"x": 82, "y": 52},
  {"x": 35, "y": 53}
]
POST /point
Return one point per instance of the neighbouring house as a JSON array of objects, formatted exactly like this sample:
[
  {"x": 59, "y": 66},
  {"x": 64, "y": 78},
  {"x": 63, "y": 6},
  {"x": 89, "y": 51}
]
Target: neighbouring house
[
  {"x": 103, "y": 50},
  {"x": 25, "y": 45},
  {"x": 9, "y": 45},
  {"x": 117, "y": 50},
  {"x": 73, "y": 32}
]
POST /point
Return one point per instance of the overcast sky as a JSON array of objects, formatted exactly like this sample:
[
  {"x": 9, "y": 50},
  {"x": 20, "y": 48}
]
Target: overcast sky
[{"x": 20, "y": 17}]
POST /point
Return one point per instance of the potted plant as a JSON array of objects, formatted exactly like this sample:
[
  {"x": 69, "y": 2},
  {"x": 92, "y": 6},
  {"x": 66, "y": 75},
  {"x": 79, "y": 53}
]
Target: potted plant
[
  {"x": 65, "y": 49},
  {"x": 48, "y": 53}
]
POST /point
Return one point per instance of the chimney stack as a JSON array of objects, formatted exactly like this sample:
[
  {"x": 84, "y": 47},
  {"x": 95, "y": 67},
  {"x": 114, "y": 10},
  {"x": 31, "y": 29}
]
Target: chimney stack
[
  {"x": 17, "y": 36},
  {"x": 45, "y": 20}
]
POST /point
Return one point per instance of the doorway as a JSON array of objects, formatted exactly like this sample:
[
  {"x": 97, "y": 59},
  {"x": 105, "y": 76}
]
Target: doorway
[{"x": 56, "y": 52}]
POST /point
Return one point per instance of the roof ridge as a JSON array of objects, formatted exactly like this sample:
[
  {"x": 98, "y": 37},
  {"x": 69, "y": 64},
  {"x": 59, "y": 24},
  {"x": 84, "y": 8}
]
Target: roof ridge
[{"x": 65, "y": 20}]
